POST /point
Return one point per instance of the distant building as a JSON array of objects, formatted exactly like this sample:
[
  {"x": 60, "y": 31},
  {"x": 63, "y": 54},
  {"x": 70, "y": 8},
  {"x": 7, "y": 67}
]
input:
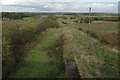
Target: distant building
[{"x": 4, "y": 18}]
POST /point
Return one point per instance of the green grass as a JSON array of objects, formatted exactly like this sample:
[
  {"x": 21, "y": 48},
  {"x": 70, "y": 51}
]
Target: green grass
[
  {"x": 39, "y": 64},
  {"x": 103, "y": 26},
  {"x": 92, "y": 58},
  {"x": 96, "y": 25},
  {"x": 104, "y": 31},
  {"x": 28, "y": 18}
]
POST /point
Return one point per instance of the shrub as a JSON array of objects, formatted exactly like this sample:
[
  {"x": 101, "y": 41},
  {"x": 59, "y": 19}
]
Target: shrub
[
  {"x": 52, "y": 17},
  {"x": 7, "y": 60},
  {"x": 64, "y": 17},
  {"x": 17, "y": 43},
  {"x": 86, "y": 20},
  {"x": 14, "y": 46},
  {"x": 81, "y": 20},
  {"x": 93, "y": 34},
  {"x": 76, "y": 21},
  {"x": 64, "y": 22},
  {"x": 47, "y": 23},
  {"x": 28, "y": 34},
  {"x": 80, "y": 29},
  {"x": 73, "y": 17},
  {"x": 103, "y": 40}
]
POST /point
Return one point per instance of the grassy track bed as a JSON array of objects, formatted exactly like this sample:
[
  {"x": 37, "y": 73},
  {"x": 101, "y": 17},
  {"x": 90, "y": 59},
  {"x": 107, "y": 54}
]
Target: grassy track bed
[{"x": 39, "y": 62}]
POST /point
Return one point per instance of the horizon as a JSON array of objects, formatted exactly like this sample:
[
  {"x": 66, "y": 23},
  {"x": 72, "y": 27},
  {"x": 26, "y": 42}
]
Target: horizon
[{"x": 65, "y": 12}]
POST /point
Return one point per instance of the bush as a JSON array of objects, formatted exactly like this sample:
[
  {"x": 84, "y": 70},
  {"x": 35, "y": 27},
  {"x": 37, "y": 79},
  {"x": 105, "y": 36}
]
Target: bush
[
  {"x": 14, "y": 51},
  {"x": 64, "y": 17},
  {"x": 86, "y": 20},
  {"x": 28, "y": 34},
  {"x": 103, "y": 40},
  {"x": 64, "y": 22},
  {"x": 47, "y": 23},
  {"x": 80, "y": 29},
  {"x": 7, "y": 60},
  {"x": 76, "y": 21},
  {"x": 93, "y": 34},
  {"x": 52, "y": 17},
  {"x": 81, "y": 20},
  {"x": 73, "y": 17},
  {"x": 17, "y": 43}
]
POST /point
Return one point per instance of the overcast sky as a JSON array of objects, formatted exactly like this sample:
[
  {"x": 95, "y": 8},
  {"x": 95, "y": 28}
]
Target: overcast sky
[{"x": 109, "y": 6}]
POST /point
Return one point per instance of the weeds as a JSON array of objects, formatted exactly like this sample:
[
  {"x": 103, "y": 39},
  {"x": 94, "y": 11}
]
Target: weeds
[{"x": 76, "y": 21}]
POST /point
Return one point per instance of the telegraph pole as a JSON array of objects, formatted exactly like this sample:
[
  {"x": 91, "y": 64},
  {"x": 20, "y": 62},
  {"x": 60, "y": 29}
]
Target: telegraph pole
[
  {"x": 89, "y": 14},
  {"x": 89, "y": 19}
]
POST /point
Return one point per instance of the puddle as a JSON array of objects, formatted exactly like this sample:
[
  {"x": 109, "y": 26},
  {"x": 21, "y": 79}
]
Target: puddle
[{"x": 71, "y": 69}]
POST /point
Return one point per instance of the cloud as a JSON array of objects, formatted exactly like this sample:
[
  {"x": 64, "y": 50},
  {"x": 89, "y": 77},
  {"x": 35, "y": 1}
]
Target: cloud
[
  {"x": 55, "y": 6},
  {"x": 106, "y": 7},
  {"x": 60, "y": 6},
  {"x": 8, "y": 2},
  {"x": 12, "y": 2}
]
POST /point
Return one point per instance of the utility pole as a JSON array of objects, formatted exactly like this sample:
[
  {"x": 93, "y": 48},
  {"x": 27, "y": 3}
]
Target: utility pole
[
  {"x": 89, "y": 14},
  {"x": 89, "y": 19}
]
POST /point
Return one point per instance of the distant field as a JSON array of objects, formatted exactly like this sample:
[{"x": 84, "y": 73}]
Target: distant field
[
  {"x": 98, "y": 29},
  {"x": 104, "y": 30},
  {"x": 27, "y": 18}
]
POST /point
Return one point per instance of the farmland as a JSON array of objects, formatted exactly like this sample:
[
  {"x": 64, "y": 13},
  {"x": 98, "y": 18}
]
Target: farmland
[{"x": 46, "y": 45}]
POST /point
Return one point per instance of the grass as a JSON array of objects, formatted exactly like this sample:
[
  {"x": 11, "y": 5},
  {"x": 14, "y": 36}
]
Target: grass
[
  {"x": 99, "y": 30},
  {"x": 93, "y": 59},
  {"x": 39, "y": 64},
  {"x": 105, "y": 32},
  {"x": 28, "y": 18},
  {"x": 102, "y": 26}
]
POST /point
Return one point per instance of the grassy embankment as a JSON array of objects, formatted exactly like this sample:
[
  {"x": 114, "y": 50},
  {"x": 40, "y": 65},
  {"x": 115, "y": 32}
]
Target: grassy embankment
[{"x": 93, "y": 59}]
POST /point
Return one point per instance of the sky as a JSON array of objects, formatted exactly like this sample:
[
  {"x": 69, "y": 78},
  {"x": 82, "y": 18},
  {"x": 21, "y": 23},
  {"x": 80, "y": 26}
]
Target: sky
[{"x": 108, "y": 6}]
